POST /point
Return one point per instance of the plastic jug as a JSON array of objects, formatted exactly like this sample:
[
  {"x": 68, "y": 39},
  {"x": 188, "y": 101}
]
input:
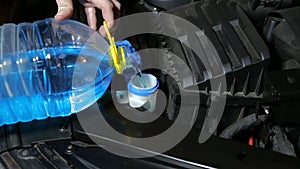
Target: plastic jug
[{"x": 47, "y": 69}]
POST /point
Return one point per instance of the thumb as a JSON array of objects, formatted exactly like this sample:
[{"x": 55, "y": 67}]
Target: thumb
[{"x": 65, "y": 9}]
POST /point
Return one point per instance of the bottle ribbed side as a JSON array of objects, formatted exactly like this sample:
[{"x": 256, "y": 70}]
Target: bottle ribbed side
[{"x": 37, "y": 62}]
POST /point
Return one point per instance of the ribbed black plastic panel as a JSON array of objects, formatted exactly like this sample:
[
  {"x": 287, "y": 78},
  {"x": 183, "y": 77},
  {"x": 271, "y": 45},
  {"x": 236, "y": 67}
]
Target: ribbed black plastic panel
[
  {"x": 241, "y": 50},
  {"x": 224, "y": 33}
]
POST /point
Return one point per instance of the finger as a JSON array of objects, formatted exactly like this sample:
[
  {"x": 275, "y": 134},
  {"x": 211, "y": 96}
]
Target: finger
[
  {"x": 65, "y": 9},
  {"x": 106, "y": 7},
  {"x": 102, "y": 31},
  {"x": 91, "y": 17},
  {"x": 117, "y": 8},
  {"x": 117, "y": 4}
]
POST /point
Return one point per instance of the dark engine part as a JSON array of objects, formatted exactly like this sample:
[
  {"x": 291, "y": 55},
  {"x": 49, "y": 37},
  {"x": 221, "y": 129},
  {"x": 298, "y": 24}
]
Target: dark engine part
[
  {"x": 254, "y": 87},
  {"x": 243, "y": 53},
  {"x": 283, "y": 35},
  {"x": 253, "y": 4}
]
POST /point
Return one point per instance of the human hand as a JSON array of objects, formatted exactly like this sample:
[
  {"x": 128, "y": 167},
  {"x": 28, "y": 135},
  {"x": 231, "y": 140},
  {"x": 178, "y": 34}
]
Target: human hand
[{"x": 110, "y": 10}]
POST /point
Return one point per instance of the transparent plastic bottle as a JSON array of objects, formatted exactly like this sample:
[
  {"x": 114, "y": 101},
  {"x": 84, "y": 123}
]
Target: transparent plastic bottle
[{"x": 50, "y": 68}]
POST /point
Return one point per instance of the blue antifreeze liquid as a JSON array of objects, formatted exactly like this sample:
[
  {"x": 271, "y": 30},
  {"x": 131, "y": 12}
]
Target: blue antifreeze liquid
[
  {"x": 46, "y": 89},
  {"x": 50, "y": 69}
]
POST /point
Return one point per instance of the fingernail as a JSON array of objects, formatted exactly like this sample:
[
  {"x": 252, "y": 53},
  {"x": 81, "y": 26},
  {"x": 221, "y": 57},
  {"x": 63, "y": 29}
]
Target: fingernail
[
  {"x": 102, "y": 31},
  {"x": 61, "y": 11},
  {"x": 110, "y": 24}
]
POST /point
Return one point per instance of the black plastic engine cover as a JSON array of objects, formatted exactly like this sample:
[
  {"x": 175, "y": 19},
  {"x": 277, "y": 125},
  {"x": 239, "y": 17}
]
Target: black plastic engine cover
[
  {"x": 232, "y": 37},
  {"x": 241, "y": 50},
  {"x": 282, "y": 32}
]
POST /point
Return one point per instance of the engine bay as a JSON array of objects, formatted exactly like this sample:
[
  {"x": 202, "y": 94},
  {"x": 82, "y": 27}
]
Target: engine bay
[{"x": 233, "y": 74}]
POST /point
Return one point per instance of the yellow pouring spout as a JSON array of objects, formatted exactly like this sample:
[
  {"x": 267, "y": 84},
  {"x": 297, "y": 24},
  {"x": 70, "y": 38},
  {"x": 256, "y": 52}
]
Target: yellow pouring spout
[{"x": 116, "y": 53}]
